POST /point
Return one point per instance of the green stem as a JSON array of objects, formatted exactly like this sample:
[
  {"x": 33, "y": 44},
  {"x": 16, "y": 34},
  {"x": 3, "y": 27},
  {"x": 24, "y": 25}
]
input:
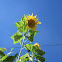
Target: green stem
[
  {"x": 21, "y": 48},
  {"x": 29, "y": 57},
  {"x": 22, "y": 43},
  {"x": 32, "y": 56}
]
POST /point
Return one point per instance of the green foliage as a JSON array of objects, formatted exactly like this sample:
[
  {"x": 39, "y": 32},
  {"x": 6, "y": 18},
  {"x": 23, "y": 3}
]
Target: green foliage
[
  {"x": 34, "y": 49},
  {"x": 21, "y": 25},
  {"x": 31, "y": 35},
  {"x": 40, "y": 58},
  {"x": 10, "y": 58},
  {"x": 37, "y": 52},
  {"x": 24, "y": 58},
  {"x": 2, "y": 53},
  {"x": 2, "y": 49},
  {"x": 33, "y": 32},
  {"x": 12, "y": 49},
  {"x": 4, "y": 57},
  {"x": 24, "y": 33},
  {"x": 17, "y": 37}
]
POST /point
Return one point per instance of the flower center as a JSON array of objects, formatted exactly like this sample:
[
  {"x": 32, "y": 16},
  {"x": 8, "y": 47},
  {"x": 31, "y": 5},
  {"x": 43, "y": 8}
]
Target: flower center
[{"x": 31, "y": 23}]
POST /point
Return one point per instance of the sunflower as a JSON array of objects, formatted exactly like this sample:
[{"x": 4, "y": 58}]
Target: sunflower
[
  {"x": 32, "y": 22},
  {"x": 36, "y": 44}
]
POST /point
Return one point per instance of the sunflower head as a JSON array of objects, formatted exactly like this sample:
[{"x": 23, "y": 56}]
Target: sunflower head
[
  {"x": 32, "y": 22},
  {"x": 36, "y": 44}
]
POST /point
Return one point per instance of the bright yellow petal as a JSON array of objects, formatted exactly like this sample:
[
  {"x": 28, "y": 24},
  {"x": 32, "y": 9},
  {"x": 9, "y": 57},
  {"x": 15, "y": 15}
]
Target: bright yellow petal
[
  {"x": 27, "y": 16},
  {"x": 38, "y": 22},
  {"x": 36, "y": 44},
  {"x": 31, "y": 17},
  {"x": 32, "y": 14},
  {"x": 34, "y": 17},
  {"x": 37, "y": 18}
]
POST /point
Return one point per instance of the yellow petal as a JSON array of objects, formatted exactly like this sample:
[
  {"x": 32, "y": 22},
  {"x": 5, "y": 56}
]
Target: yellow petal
[
  {"x": 38, "y": 22},
  {"x": 36, "y": 44},
  {"x": 35, "y": 16},
  {"x": 35, "y": 19},
  {"x": 32, "y": 14}
]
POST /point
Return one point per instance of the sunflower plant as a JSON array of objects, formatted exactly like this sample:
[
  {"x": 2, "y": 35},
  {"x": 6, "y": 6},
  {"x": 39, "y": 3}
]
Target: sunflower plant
[{"x": 26, "y": 32}]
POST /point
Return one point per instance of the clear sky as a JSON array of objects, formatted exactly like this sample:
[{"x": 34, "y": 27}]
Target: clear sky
[{"x": 49, "y": 13}]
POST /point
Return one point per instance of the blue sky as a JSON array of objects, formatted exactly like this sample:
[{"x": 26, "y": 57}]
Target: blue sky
[{"x": 49, "y": 13}]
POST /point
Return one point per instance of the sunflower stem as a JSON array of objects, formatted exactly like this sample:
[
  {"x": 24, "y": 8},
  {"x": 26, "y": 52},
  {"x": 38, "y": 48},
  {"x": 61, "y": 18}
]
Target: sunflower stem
[
  {"x": 21, "y": 48},
  {"x": 32, "y": 56}
]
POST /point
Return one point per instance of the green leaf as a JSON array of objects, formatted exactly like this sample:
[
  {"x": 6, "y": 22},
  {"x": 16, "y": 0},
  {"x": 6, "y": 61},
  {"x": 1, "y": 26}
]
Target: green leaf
[
  {"x": 30, "y": 47},
  {"x": 12, "y": 49},
  {"x": 37, "y": 52},
  {"x": 30, "y": 38},
  {"x": 24, "y": 19},
  {"x": 2, "y": 49},
  {"x": 33, "y": 32},
  {"x": 17, "y": 37},
  {"x": 21, "y": 29},
  {"x": 31, "y": 35},
  {"x": 10, "y": 58},
  {"x": 40, "y": 58},
  {"x": 19, "y": 24},
  {"x": 24, "y": 58},
  {"x": 2, "y": 53},
  {"x": 4, "y": 57}
]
